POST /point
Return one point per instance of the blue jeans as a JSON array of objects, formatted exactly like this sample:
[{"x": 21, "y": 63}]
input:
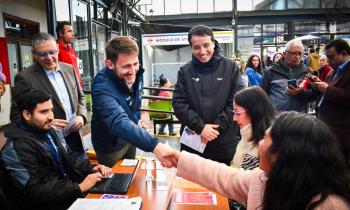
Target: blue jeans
[{"x": 170, "y": 127}]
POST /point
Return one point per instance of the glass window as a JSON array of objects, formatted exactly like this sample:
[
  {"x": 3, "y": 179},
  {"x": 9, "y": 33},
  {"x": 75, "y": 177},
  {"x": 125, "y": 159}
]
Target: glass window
[
  {"x": 343, "y": 27},
  {"x": 189, "y": 6},
  {"x": 62, "y": 10},
  {"x": 223, "y": 5},
  {"x": 172, "y": 7},
  {"x": 343, "y": 4},
  {"x": 99, "y": 41},
  {"x": 295, "y": 4},
  {"x": 206, "y": 6},
  {"x": 278, "y": 5},
  {"x": 328, "y": 3},
  {"x": 244, "y": 5},
  {"x": 259, "y": 3},
  {"x": 312, "y": 3},
  {"x": 157, "y": 8},
  {"x": 81, "y": 42}
]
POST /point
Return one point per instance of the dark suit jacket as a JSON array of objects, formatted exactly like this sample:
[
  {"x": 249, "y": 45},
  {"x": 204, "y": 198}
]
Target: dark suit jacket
[
  {"x": 34, "y": 77},
  {"x": 335, "y": 108}
]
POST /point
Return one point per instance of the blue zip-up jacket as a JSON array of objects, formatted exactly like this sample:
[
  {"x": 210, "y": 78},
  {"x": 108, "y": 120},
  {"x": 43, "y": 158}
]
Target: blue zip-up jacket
[
  {"x": 254, "y": 77},
  {"x": 116, "y": 112}
]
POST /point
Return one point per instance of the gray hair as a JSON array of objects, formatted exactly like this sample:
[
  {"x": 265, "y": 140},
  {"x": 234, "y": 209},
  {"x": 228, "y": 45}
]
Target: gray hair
[
  {"x": 41, "y": 37},
  {"x": 294, "y": 42}
]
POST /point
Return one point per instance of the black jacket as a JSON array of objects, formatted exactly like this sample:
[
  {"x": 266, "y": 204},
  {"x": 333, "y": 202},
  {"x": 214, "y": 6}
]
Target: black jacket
[
  {"x": 204, "y": 95},
  {"x": 34, "y": 171}
]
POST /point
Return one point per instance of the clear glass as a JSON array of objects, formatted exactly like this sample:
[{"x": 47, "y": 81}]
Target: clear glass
[
  {"x": 99, "y": 41},
  {"x": 206, "y": 6},
  {"x": 244, "y": 5},
  {"x": 295, "y": 4},
  {"x": 62, "y": 10},
  {"x": 26, "y": 55},
  {"x": 172, "y": 7},
  {"x": 312, "y": 4},
  {"x": 81, "y": 44},
  {"x": 189, "y": 6},
  {"x": 157, "y": 8},
  {"x": 222, "y": 5}
]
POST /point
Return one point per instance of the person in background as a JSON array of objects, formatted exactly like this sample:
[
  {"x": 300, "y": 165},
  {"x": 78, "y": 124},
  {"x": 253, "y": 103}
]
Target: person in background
[
  {"x": 325, "y": 69},
  {"x": 2, "y": 83},
  {"x": 334, "y": 105},
  {"x": 165, "y": 83},
  {"x": 233, "y": 57},
  {"x": 300, "y": 167},
  {"x": 59, "y": 80},
  {"x": 2, "y": 75},
  {"x": 267, "y": 61},
  {"x": 45, "y": 173},
  {"x": 314, "y": 61},
  {"x": 277, "y": 57},
  {"x": 116, "y": 127},
  {"x": 65, "y": 34},
  {"x": 203, "y": 96},
  {"x": 242, "y": 70},
  {"x": 253, "y": 121},
  {"x": 254, "y": 70},
  {"x": 287, "y": 96}
]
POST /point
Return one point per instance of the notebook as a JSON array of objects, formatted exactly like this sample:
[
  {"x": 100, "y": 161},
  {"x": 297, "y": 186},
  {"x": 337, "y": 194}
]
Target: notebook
[{"x": 118, "y": 183}]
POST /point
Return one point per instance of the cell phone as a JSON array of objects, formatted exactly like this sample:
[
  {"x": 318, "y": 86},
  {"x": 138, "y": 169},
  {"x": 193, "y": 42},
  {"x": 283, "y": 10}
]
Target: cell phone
[
  {"x": 310, "y": 77},
  {"x": 292, "y": 82}
]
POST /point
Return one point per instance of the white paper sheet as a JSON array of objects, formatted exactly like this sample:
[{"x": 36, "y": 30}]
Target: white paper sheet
[
  {"x": 107, "y": 204},
  {"x": 66, "y": 130},
  {"x": 193, "y": 140}
]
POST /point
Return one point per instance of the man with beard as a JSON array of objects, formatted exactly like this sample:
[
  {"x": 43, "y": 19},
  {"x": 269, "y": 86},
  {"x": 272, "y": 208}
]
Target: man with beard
[
  {"x": 45, "y": 173},
  {"x": 58, "y": 80},
  {"x": 203, "y": 96},
  {"x": 116, "y": 100}
]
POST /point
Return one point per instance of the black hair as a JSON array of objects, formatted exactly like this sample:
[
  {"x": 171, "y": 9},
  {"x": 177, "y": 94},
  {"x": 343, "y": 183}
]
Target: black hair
[
  {"x": 339, "y": 45},
  {"x": 60, "y": 27},
  {"x": 259, "y": 108},
  {"x": 312, "y": 50},
  {"x": 274, "y": 56},
  {"x": 163, "y": 81},
  {"x": 308, "y": 164},
  {"x": 29, "y": 99},
  {"x": 250, "y": 64},
  {"x": 200, "y": 30}
]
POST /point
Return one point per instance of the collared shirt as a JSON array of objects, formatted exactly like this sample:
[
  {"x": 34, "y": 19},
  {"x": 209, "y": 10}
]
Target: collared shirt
[
  {"x": 67, "y": 55},
  {"x": 59, "y": 84}
]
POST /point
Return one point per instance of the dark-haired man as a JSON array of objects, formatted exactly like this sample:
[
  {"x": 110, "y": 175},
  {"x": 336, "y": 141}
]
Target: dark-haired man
[
  {"x": 203, "y": 97},
  {"x": 45, "y": 173},
  {"x": 65, "y": 34},
  {"x": 334, "y": 105},
  {"x": 58, "y": 80},
  {"x": 116, "y": 100}
]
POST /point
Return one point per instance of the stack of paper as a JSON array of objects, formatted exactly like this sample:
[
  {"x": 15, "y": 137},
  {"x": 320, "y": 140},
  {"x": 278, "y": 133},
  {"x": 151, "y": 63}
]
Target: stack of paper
[{"x": 107, "y": 204}]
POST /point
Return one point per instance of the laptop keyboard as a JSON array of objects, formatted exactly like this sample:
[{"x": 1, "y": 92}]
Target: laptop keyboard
[{"x": 119, "y": 183}]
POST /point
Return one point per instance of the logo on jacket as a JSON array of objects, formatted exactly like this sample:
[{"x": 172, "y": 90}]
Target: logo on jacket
[
  {"x": 195, "y": 79},
  {"x": 219, "y": 78}
]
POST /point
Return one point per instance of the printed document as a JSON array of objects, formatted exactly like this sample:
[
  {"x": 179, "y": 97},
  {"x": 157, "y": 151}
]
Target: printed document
[
  {"x": 107, "y": 204},
  {"x": 193, "y": 140}
]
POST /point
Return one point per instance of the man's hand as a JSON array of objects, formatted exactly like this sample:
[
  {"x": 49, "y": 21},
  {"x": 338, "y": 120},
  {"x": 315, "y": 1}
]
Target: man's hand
[
  {"x": 174, "y": 155},
  {"x": 79, "y": 123},
  {"x": 163, "y": 154},
  {"x": 321, "y": 86},
  {"x": 90, "y": 181},
  {"x": 294, "y": 90},
  {"x": 59, "y": 123},
  {"x": 209, "y": 133},
  {"x": 104, "y": 170}
]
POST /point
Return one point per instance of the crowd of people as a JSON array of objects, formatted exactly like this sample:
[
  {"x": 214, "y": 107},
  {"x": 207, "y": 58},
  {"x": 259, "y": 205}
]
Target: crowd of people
[{"x": 262, "y": 150}]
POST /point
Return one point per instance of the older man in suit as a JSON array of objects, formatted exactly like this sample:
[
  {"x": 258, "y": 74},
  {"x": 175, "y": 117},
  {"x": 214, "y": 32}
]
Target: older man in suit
[
  {"x": 334, "y": 105},
  {"x": 57, "y": 79}
]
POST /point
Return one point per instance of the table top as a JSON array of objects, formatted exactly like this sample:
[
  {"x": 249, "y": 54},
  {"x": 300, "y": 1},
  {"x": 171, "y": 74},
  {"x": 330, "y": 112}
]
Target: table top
[{"x": 160, "y": 199}]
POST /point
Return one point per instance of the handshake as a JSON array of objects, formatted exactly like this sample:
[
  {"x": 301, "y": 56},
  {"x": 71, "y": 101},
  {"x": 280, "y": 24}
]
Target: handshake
[{"x": 167, "y": 156}]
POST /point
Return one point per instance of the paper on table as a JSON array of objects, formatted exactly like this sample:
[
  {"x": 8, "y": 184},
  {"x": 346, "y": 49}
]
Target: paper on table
[
  {"x": 107, "y": 204},
  {"x": 193, "y": 140},
  {"x": 66, "y": 130},
  {"x": 198, "y": 198},
  {"x": 129, "y": 162}
]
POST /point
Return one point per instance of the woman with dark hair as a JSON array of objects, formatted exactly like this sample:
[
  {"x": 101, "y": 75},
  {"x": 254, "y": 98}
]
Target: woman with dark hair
[
  {"x": 300, "y": 168},
  {"x": 254, "y": 70},
  {"x": 253, "y": 121},
  {"x": 277, "y": 57}
]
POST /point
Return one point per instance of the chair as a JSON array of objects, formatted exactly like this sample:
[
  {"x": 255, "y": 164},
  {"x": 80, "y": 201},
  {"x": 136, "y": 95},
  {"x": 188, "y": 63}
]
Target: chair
[
  {"x": 160, "y": 117},
  {"x": 85, "y": 136}
]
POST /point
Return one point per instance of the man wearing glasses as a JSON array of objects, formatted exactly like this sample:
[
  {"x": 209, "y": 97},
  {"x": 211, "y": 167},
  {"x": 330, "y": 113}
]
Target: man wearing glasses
[
  {"x": 282, "y": 80},
  {"x": 60, "y": 81}
]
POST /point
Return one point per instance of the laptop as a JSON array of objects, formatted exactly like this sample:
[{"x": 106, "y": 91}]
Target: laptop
[{"x": 118, "y": 183}]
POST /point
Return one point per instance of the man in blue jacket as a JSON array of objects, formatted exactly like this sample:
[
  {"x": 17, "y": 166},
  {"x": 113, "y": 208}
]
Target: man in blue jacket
[{"x": 116, "y": 99}]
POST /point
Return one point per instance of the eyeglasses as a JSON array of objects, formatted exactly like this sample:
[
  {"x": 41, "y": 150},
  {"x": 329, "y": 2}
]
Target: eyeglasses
[
  {"x": 46, "y": 53},
  {"x": 237, "y": 114},
  {"x": 294, "y": 53}
]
